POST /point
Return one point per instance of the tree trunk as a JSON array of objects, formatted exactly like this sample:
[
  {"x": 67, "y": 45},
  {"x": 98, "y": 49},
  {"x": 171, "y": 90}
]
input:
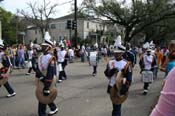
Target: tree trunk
[{"x": 127, "y": 33}]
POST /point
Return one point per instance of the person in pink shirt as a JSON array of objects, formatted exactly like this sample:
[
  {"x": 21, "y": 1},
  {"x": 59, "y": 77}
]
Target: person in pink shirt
[{"x": 166, "y": 103}]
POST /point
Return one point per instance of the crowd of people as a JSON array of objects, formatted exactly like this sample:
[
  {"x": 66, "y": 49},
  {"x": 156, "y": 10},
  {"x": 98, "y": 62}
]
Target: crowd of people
[{"x": 50, "y": 62}]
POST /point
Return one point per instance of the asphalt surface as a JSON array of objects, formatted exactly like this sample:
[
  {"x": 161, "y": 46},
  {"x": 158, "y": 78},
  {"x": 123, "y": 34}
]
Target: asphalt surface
[{"x": 80, "y": 95}]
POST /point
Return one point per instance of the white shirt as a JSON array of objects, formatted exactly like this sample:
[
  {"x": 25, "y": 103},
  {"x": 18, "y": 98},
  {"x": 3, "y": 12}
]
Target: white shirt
[
  {"x": 30, "y": 53},
  {"x": 116, "y": 64},
  {"x": 147, "y": 61},
  {"x": 71, "y": 52},
  {"x": 61, "y": 55}
]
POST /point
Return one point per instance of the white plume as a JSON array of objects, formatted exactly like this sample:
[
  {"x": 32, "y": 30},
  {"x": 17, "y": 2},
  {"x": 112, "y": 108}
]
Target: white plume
[
  {"x": 146, "y": 45},
  {"x": 118, "y": 41},
  {"x": 96, "y": 45}
]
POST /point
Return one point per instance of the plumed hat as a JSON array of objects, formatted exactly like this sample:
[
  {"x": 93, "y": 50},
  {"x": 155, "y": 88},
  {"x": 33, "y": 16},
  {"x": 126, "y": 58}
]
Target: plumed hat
[
  {"x": 47, "y": 40},
  {"x": 118, "y": 47}
]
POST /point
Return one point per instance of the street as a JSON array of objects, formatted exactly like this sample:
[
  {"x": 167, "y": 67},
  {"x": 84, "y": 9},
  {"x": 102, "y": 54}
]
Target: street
[{"x": 80, "y": 95}]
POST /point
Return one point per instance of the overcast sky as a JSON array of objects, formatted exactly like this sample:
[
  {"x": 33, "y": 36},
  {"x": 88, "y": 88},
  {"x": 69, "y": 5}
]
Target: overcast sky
[{"x": 13, "y": 5}]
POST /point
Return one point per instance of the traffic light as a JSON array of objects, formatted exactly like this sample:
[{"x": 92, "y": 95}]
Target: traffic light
[
  {"x": 69, "y": 24},
  {"x": 74, "y": 24}
]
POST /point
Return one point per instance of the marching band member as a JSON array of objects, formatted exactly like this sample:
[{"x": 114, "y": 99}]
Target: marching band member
[
  {"x": 118, "y": 90},
  {"x": 46, "y": 72},
  {"x": 4, "y": 70},
  {"x": 147, "y": 75},
  {"x": 94, "y": 60},
  {"x": 62, "y": 62}
]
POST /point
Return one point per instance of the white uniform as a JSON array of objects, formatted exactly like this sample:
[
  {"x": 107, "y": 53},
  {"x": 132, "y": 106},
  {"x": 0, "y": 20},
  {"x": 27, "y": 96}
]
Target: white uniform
[
  {"x": 147, "y": 61},
  {"x": 43, "y": 61},
  {"x": 116, "y": 64},
  {"x": 61, "y": 55}
]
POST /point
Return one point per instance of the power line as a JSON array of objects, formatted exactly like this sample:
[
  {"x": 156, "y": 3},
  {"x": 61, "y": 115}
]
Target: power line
[{"x": 65, "y": 2}]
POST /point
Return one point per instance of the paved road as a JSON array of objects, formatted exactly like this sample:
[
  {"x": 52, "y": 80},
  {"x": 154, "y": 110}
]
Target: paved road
[{"x": 80, "y": 95}]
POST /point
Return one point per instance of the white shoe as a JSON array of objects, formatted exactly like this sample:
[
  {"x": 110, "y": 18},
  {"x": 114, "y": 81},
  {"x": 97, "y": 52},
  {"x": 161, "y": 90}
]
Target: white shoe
[
  {"x": 59, "y": 81},
  {"x": 27, "y": 73},
  {"x": 53, "y": 112},
  {"x": 11, "y": 95}
]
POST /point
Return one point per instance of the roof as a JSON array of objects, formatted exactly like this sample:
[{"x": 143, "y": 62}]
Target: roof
[{"x": 71, "y": 16}]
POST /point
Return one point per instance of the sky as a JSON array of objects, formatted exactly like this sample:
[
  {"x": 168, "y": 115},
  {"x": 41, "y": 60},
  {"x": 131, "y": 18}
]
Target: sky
[{"x": 61, "y": 10}]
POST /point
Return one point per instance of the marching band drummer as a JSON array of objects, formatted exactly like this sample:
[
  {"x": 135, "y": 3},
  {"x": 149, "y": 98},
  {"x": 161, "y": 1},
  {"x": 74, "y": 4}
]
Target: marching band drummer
[
  {"x": 94, "y": 60},
  {"x": 147, "y": 60},
  {"x": 4, "y": 69},
  {"x": 45, "y": 72},
  {"x": 113, "y": 67}
]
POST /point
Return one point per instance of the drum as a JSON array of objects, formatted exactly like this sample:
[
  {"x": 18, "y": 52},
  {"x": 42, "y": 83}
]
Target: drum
[
  {"x": 115, "y": 96},
  {"x": 93, "y": 58},
  {"x": 39, "y": 92},
  {"x": 147, "y": 76},
  {"x": 4, "y": 77}
]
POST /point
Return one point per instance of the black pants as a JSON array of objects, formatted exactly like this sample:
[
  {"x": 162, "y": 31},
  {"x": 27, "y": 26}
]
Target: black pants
[
  {"x": 8, "y": 88},
  {"x": 62, "y": 73},
  {"x": 94, "y": 69},
  {"x": 116, "y": 110},
  {"x": 42, "y": 108},
  {"x": 146, "y": 85},
  {"x": 33, "y": 67}
]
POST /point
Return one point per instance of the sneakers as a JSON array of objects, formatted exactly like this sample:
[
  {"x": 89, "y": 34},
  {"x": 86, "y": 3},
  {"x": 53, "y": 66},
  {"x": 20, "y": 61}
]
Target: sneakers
[
  {"x": 145, "y": 92},
  {"x": 64, "y": 78},
  {"x": 59, "y": 81},
  {"x": 93, "y": 74},
  {"x": 53, "y": 112},
  {"x": 11, "y": 95},
  {"x": 27, "y": 73}
]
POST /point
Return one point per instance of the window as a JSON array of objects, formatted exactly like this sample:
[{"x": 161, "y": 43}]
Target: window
[
  {"x": 52, "y": 26},
  {"x": 35, "y": 31},
  {"x": 87, "y": 25}
]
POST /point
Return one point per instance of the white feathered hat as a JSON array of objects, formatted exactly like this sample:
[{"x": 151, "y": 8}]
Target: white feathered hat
[
  {"x": 96, "y": 45},
  {"x": 118, "y": 47},
  {"x": 47, "y": 40},
  {"x": 146, "y": 45}
]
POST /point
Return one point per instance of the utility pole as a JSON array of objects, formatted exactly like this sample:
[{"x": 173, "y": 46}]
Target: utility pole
[
  {"x": 75, "y": 19},
  {"x": 17, "y": 29},
  {"x": 0, "y": 24}
]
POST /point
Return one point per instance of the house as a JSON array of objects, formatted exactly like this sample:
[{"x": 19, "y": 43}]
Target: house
[{"x": 87, "y": 28}]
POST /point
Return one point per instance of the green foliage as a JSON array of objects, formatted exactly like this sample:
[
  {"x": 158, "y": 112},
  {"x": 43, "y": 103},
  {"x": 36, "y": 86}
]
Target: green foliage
[
  {"x": 8, "y": 27},
  {"x": 138, "y": 16}
]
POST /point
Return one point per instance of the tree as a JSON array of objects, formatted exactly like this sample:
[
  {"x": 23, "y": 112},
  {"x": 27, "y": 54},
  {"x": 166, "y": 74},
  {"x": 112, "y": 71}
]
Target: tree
[
  {"x": 8, "y": 27},
  {"x": 136, "y": 17},
  {"x": 39, "y": 14}
]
